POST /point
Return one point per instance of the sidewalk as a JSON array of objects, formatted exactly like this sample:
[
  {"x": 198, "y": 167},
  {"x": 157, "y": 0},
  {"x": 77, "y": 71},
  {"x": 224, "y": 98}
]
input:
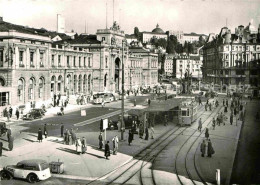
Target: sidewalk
[
  {"x": 93, "y": 163},
  {"x": 224, "y": 141}
]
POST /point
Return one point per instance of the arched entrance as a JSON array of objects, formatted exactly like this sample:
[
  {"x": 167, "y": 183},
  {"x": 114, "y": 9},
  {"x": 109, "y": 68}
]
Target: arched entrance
[
  {"x": 68, "y": 84},
  {"x": 59, "y": 83},
  {"x": 117, "y": 71},
  {"x": 21, "y": 85},
  {"x": 53, "y": 84}
]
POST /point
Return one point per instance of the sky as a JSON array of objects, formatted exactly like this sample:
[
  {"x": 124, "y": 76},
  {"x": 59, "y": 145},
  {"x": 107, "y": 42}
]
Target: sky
[{"x": 199, "y": 16}]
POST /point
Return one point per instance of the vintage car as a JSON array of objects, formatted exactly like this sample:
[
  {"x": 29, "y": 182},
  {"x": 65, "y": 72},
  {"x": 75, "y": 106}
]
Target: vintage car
[
  {"x": 32, "y": 170},
  {"x": 33, "y": 114},
  {"x": 3, "y": 128}
]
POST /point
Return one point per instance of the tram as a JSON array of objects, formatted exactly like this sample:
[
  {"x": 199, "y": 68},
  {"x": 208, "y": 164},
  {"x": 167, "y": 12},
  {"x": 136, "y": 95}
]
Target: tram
[{"x": 188, "y": 110}]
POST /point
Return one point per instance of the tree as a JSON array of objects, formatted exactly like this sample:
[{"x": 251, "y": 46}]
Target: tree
[
  {"x": 136, "y": 33},
  {"x": 172, "y": 44},
  {"x": 161, "y": 43}
]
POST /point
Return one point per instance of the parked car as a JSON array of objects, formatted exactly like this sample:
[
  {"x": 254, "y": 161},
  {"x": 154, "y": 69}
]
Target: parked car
[
  {"x": 32, "y": 170},
  {"x": 33, "y": 114},
  {"x": 3, "y": 128}
]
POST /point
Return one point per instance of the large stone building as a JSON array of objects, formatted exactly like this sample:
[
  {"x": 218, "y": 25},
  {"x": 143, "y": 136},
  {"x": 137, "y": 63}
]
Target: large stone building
[
  {"x": 157, "y": 32},
  {"x": 233, "y": 60},
  {"x": 33, "y": 67},
  {"x": 186, "y": 37}
]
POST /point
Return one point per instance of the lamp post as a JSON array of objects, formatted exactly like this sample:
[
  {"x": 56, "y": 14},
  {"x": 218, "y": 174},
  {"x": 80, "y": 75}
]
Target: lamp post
[{"x": 122, "y": 99}]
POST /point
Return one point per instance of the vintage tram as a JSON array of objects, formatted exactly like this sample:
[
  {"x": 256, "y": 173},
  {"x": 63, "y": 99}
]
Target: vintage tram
[{"x": 188, "y": 110}]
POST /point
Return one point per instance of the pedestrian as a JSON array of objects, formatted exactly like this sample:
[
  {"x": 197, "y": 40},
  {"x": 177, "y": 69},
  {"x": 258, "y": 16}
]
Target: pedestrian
[
  {"x": 5, "y": 112},
  {"x": 231, "y": 119},
  {"x": 200, "y": 101},
  {"x": 73, "y": 136},
  {"x": 141, "y": 130},
  {"x": 235, "y": 112},
  {"x": 62, "y": 110},
  {"x": 203, "y": 148},
  {"x": 206, "y": 106},
  {"x": 200, "y": 125},
  {"x": 65, "y": 103},
  {"x": 222, "y": 118},
  {"x": 146, "y": 133},
  {"x": 61, "y": 129},
  {"x": 9, "y": 134},
  {"x": 210, "y": 149},
  {"x": 40, "y": 135},
  {"x": 207, "y": 133},
  {"x": 45, "y": 132},
  {"x": 78, "y": 146},
  {"x": 213, "y": 123},
  {"x": 115, "y": 145},
  {"x": 107, "y": 150},
  {"x": 103, "y": 103},
  {"x": 67, "y": 137},
  {"x": 218, "y": 121},
  {"x": 225, "y": 109},
  {"x": 130, "y": 137},
  {"x": 152, "y": 132},
  {"x": 17, "y": 113},
  {"x": 84, "y": 145},
  {"x": 59, "y": 96},
  {"x": 11, "y": 143},
  {"x": 227, "y": 102},
  {"x": 149, "y": 102},
  {"x": 134, "y": 102},
  {"x": 100, "y": 139},
  {"x": 10, "y": 112},
  {"x": 223, "y": 103},
  {"x": 1, "y": 148},
  {"x": 210, "y": 106},
  {"x": 165, "y": 120}
]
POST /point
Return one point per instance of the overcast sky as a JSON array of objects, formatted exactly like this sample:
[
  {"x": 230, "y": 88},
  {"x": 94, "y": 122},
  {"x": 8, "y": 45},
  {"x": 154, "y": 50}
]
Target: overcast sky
[{"x": 200, "y": 16}]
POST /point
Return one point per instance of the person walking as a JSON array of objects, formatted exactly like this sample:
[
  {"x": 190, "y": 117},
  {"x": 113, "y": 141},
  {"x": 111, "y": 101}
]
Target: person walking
[
  {"x": 66, "y": 137},
  {"x": 10, "y": 112},
  {"x": 213, "y": 123},
  {"x": 130, "y": 137},
  {"x": 11, "y": 143},
  {"x": 165, "y": 120},
  {"x": 17, "y": 113},
  {"x": 84, "y": 145},
  {"x": 210, "y": 106},
  {"x": 152, "y": 132},
  {"x": 107, "y": 150},
  {"x": 61, "y": 129},
  {"x": 227, "y": 102},
  {"x": 45, "y": 132},
  {"x": 231, "y": 119},
  {"x": 218, "y": 119},
  {"x": 78, "y": 146},
  {"x": 103, "y": 103},
  {"x": 200, "y": 101},
  {"x": 200, "y": 125},
  {"x": 210, "y": 149},
  {"x": 134, "y": 102},
  {"x": 73, "y": 136},
  {"x": 149, "y": 102},
  {"x": 39, "y": 135},
  {"x": 100, "y": 139},
  {"x": 223, "y": 103},
  {"x": 62, "y": 110},
  {"x": 115, "y": 145},
  {"x": 203, "y": 148},
  {"x": 207, "y": 133},
  {"x": 1, "y": 148},
  {"x": 141, "y": 130},
  {"x": 206, "y": 106},
  {"x": 146, "y": 133}
]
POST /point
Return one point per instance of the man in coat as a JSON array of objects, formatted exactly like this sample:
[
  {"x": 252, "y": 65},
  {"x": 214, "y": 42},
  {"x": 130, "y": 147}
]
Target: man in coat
[
  {"x": 73, "y": 136},
  {"x": 61, "y": 129},
  {"x": 231, "y": 119},
  {"x": 210, "y": 149},
  {"x": 83, "y": 145},
  {"x": 45, "y": 132},
  {"x": 130, "y": 137},
  {"x": 200, "y": 125},
  {"x": 9, "y": 133},
  {"x": 39, "y": 135},
  {"x": 107, "y": 150},
  {"x": 1, "y": 148},
  {"x": 141, "y": 130},
  {"x": 203, "y": 148},
  {"x": 11, "y": 143},
  {"x": 17, "y": 113},
  {"x": 115, "y": 145},
  {"x": 78, "y": 146},
  {"x": 207, "y": 133},
  {"x": 146, "y": 133},
  {"x": 10, "y": 112},
  {"x": 100, "y": 139}
]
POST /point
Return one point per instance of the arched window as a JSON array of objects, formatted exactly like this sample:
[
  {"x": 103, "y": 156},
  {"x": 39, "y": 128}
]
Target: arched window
[
  {"x": 59, "y": 83},
  {"x": 89, "y": 83},
  {"x": 75, "y": 83},
  {"x": 31, "y": 89},
  {"x": 53, "y": 79},
  {"x": 84, "y": 83},
  {"x": 79, "y": 83},
  {"x": 41, "y": 86},
  {"x": 21, "y": 89}
]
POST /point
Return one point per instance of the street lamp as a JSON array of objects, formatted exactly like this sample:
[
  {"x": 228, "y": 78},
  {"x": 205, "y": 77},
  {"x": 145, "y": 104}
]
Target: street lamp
[{"x": 123, "y": 92}]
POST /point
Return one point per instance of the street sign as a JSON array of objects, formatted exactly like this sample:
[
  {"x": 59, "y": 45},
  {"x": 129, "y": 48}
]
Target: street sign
[{"x": 105, "y": 124}]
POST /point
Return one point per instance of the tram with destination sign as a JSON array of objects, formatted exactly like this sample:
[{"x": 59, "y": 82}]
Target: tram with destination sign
[{"x": 188, "y": 112}]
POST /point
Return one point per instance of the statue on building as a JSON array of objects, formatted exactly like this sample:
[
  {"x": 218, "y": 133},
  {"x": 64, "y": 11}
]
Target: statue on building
[
  {"x": 113, "y": 40},
  {"x": 115, "y": 27}
]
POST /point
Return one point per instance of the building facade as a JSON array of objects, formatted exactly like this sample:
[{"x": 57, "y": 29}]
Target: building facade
[
  {"x": 157, "y": 32},
  {"x": 233, "y": 60},
  {"x": 33, "y": 67},
  {"x": 186, "y": 37}
]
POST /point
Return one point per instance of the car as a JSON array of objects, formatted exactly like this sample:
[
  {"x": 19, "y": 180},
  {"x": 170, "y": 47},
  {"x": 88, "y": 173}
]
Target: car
[
  {"x": 33, "y": 170},
  {"x": 33, "y": 114},
  {"x": 3, "y": 128}
]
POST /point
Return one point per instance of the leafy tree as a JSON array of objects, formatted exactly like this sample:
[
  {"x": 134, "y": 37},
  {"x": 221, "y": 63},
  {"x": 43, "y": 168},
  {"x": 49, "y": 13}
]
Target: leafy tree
[
  {"x": 162, "y": 43},
  {"x": 172, "y": 44}
]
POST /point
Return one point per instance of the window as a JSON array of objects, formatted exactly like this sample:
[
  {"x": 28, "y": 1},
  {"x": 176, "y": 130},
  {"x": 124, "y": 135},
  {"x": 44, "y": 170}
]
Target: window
[
  {"x": 79, "y": 61},
  {"x": 4, "y": 98},
  {"x": 20, "y": 57},
  {"x": 30, "y": 89},
  {"x": 52, "y": 60},
  {"x": 40, "y": 88},
  {"x": 89, "y": 65},
  {"x": 85, "y": 62},
  {"x": 106, "y": 62},
  {"x": 31, "y": 58},
  {"x": 68, "y": 61},
  {"x": 41, "y": 59},
  {"x": 74, "y": 61},
  {"x": 1, "y": 58},
  {"x": 59, "y": 60},
  {"x": 103, "y": 38}
]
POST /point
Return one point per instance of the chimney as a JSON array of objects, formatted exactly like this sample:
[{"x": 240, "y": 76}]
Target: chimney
[{"x": 1, "y": 19}]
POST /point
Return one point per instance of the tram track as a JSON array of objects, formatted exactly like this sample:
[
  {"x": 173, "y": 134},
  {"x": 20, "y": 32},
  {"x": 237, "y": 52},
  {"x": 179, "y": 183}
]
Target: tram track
[{"x": 146, "y": 157}]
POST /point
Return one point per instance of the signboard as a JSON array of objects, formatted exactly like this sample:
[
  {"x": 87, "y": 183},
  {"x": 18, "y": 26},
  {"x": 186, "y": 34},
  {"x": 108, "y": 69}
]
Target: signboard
[
  {"x": 105, "y": 124},
  {"x": 83, "y": 112}
]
